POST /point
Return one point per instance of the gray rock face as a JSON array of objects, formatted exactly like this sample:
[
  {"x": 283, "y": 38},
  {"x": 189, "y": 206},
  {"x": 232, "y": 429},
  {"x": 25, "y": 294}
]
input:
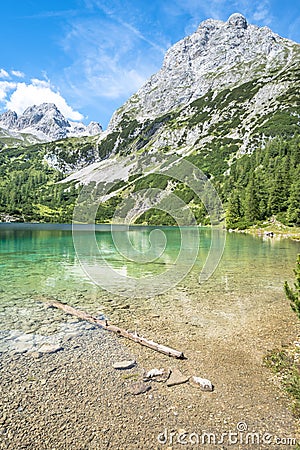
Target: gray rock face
[
  {"x": 8, "y": 119},
  {"x": 218, "y": 55},
  {"x": 45, "y": 118},
  {"x": 47, "y": 122},
  {"x": 93, "y": 128}
]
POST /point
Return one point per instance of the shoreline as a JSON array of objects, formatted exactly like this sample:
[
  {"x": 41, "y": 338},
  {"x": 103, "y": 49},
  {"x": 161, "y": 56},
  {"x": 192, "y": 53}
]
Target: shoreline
[{"x": 276, "y": 231}]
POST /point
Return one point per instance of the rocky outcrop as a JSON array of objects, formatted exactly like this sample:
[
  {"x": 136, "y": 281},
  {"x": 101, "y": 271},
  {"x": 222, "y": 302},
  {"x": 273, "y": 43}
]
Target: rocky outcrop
[{"x": 8, "y": 119}]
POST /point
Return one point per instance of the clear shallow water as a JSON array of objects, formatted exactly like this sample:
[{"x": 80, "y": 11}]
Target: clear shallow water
[{"x": 38, "y": 260}]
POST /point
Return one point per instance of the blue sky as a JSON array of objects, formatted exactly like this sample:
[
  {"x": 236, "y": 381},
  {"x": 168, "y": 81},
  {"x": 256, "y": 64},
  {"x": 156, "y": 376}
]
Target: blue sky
[{"x": 89, "y": 56}]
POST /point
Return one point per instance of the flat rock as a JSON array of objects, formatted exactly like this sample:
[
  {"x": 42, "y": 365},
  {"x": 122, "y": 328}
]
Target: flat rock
[
  {"x": 123, "y": 365},
  {"x": 176, "y": 377},
  {"x": 22, "y": 347},
  {"x": 50, "y": 348},
  {"x": 139, "y": 388}
]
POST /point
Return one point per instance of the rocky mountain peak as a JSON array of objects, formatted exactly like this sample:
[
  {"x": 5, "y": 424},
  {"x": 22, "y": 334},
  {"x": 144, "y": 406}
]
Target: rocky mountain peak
[
  {"x": 47, "y": 123},
  {"x": 45, "y": 118},
  {"x": 93, "y": 128},
  {"x": 216, "y": 56}
]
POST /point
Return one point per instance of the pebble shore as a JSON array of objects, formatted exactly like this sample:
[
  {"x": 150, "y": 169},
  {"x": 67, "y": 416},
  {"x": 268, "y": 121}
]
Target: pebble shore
[
  {"x": 72, "y": 397},
  {"x": 68, "y": 399}
]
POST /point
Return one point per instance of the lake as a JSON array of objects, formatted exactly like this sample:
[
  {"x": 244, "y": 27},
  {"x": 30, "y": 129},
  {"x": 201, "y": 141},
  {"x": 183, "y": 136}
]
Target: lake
[{"x": 122, "y": 276}]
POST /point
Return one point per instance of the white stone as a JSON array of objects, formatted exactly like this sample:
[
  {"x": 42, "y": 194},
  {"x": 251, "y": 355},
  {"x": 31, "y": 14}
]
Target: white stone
[{"x": 204, "y": 383}]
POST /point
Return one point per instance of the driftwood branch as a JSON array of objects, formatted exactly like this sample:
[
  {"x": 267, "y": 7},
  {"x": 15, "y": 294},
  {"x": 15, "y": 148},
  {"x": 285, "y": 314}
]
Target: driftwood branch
[{"x": 113, "y": 328}]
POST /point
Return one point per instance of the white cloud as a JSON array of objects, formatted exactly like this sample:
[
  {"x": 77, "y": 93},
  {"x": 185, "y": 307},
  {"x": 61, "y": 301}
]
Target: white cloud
[
  {"x": 18, "y": 74},
  {"x": 5, "y": 87},
  {"x": 37, "y": 92},
  {"x": 4, "y": 73}
]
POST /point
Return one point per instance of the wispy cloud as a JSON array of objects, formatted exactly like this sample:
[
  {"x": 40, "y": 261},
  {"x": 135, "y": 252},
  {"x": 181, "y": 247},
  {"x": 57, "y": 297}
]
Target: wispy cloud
[
  {"x": 18, "y": 74},
  {"x": 116, "y": 14},
  {"x": 141, "y": 36},
  {"x": 262, "y": 12},
  {"x": 294, "y": 29},
  {"x": 52, "y": 14},
  {"x": 254, "y": 10},
  {"x": 108, "y": 57},
  {"x": 4, "y": 73}
]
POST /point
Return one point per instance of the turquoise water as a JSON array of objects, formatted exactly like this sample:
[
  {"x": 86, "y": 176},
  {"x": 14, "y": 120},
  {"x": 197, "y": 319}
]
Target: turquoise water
[{"x": 39, "y": 260}]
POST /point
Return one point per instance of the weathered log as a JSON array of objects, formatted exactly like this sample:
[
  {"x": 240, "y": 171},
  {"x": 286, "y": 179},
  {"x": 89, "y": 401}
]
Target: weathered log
[{"x": 113, "y": 328}]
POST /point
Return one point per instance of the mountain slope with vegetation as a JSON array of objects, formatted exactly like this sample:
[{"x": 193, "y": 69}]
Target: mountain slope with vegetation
[{"x": 30, "y": 188}]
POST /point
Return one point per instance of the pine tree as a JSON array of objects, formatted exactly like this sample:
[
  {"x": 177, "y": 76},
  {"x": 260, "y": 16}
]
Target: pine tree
[
  {"x": 293, "y": 212},
  {"x": 278, "y": 195},
  {"x": 252, "y": 211},
  {"x": 261, "y": 192},
  {"x": 234, "y": 210},
  {"x": 293, "y": 295}
]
